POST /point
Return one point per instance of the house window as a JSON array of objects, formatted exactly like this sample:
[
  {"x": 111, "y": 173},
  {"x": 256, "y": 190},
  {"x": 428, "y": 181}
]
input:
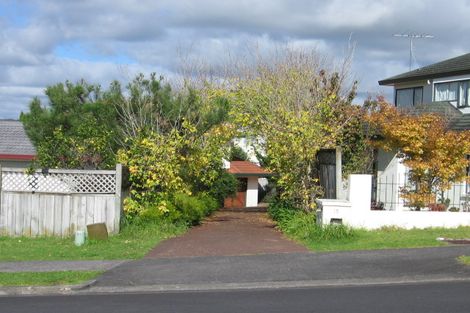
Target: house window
[
  {"x": 409, "y": 96},
  {"x": 456, "y": 92}
]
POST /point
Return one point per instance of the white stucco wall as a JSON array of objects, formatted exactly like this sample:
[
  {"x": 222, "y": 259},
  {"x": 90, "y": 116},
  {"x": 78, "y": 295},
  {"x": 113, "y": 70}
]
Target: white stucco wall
[
  {"x": 252, "y": 192},
  {"x": 356, "y": 211},
  {"x": 391, "y": 175},
  {"x": 410, "y": 219}
]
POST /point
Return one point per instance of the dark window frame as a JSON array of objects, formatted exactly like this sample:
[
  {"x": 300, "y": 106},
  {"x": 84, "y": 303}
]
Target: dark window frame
[
  {"x": 414, "y": 94},
  {"x": 459, "y": 82},
  {"x": 467, "y": 184}
]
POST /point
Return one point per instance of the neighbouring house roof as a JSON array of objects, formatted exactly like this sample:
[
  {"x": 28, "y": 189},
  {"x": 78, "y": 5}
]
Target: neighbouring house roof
[
  {"x": 14, "y": 143},
  {"x": 247, "y": 168},
  {"x": 456, "y": 119},
  {"x": 444, "y": 108},
  {"x": 451, "y": 67},
  {"x": 462, "y": 123}
]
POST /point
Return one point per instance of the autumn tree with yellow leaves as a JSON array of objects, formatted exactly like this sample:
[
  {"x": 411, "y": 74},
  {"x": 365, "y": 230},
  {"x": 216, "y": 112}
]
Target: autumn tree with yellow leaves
[
  {"x": 291, "y": 106},
  {"x": 435, "y": 155}
]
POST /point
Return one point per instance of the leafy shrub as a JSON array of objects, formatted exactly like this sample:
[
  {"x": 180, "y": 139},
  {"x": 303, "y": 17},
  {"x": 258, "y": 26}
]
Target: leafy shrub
[
  {"x": 390, "y": 229},
  {"x": 175, "y": 208},
  {"x": 281, "y": 210},
  {"x": 194, "y": 208},
  {"x": 302, "y": 225},
  {"x": 210, "y": 204},
  {"x": 237, "y": 154},
  {"x": 191, "y": 208},
  {"x": 158, "y": 208},
  {"x": 332, "y": 232},
  {"x": 225, "y": 185}
]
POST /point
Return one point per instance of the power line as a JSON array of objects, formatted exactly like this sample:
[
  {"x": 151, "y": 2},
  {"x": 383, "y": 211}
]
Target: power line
[{"x": 412, "y": 36}]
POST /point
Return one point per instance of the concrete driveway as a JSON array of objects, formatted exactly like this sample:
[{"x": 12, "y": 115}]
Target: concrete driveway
[{"x": 228, "y": 233}]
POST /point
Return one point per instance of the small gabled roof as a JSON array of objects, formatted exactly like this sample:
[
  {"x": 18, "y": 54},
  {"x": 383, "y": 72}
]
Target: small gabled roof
[
  {"x": 247, "y": 168},
  {"x": 451, "y": 67},
  {"x": 14, "y": 143}
]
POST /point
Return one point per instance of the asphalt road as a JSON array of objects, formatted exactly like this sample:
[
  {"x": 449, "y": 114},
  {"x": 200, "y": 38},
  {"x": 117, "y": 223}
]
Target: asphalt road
[
  {"x": 385, "y": 265},
  {"x": 452, "y": 297}
]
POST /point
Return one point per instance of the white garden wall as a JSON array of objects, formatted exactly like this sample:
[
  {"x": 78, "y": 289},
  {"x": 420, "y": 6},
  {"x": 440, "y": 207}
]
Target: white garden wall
[{"x": 356, "y": 212}]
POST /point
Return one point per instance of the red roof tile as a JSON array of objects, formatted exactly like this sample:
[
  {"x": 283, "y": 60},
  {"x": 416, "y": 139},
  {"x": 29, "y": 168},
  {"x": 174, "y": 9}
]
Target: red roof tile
[
  {"x": 17, "y": 157},
  {"x": 247, "y": 168}
]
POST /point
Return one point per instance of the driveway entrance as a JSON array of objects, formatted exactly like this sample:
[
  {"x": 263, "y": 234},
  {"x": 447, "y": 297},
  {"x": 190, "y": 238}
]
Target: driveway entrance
[{"x": 228, "y": 232}]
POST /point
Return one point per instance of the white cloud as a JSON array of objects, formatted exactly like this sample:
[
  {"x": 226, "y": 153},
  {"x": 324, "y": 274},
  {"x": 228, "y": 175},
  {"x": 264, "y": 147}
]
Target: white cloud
[{"x": 154, "y": 36}]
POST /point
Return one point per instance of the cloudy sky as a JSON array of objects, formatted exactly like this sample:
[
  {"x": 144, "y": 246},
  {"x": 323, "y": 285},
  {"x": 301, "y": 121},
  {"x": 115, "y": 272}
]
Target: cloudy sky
[{"x": 48, "y": 41}]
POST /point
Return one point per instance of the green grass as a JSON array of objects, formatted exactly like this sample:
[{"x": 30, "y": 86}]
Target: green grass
[
  {"x": 388, "y": 238},
  {"x": 46, "y": 278},
  {"x": 302, "y": 227},
  {"x": 464, "y": 259},
  {"x": 133, "y": 242}
]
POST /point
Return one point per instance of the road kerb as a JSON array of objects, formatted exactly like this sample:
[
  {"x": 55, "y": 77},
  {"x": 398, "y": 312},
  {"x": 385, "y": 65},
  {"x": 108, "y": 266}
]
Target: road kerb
[{"x": 89, "y": 288}]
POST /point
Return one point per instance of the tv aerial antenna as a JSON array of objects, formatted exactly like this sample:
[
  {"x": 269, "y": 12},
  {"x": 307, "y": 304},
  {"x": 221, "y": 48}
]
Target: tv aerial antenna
[{"x": 411, "y": 37}]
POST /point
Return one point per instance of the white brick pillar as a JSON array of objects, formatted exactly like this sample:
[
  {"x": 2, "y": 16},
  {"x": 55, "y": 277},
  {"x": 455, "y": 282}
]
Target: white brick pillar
[
  {"x": 252, "y": 192},
  {"x": 360, "y": 190}
]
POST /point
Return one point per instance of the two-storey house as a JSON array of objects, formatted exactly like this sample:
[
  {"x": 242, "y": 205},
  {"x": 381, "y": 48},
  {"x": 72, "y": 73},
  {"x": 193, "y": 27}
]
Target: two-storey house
[{"x": 443, "y": 88}]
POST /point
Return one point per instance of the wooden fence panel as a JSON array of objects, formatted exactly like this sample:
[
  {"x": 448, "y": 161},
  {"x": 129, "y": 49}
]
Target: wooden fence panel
[{"x": 30, "y": 213}]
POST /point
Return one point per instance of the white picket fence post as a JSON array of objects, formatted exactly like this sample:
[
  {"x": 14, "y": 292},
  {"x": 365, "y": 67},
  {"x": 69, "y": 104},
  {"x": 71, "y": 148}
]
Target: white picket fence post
[{"x": 118, "y": 197}]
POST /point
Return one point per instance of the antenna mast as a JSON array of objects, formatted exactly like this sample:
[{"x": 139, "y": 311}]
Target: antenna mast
[{"x": 412, "y": 36}]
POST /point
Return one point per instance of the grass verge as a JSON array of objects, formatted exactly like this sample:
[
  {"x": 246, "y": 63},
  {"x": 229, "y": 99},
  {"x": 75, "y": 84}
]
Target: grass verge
[
  {"x": 46, "y": 278},
  {"x": 133, "y": 242},
  {"x": 464, "y": 259},
  {"x": 301, "y": 227},
  {"x": 390, "y": 238}
]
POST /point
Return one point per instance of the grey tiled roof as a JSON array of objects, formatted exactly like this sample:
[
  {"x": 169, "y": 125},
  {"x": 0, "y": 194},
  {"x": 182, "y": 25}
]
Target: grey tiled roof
[
  {"x": 457, "y": 120},
  {"x": 13, "y": 139},
  {"x": 444, "y": 108},
  {"x": 456, "y": 66},
  {"x": 463, "y": 123}
]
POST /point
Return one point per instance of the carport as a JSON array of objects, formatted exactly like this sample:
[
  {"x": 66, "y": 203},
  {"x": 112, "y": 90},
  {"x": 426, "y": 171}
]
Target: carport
[{"x": 248, "y": 175}]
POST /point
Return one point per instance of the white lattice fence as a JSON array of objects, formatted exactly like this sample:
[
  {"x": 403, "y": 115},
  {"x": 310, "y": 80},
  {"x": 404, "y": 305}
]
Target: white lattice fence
[
  {"x": 58, "y": 202},
  {"x": 59, "y": 181}
]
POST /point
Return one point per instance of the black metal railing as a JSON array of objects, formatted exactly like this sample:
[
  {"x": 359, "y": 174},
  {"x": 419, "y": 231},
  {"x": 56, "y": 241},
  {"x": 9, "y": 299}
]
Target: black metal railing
[{"x": 387, "y": 195}]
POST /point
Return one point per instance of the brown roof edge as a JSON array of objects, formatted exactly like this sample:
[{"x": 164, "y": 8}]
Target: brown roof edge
[
  {"x": 19, "y": 157},
  {"x": 247, "y": 168}
]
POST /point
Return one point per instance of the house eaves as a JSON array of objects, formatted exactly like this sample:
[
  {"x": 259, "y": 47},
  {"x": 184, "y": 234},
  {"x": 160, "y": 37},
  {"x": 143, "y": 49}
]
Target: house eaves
[{"x": 451, "y": 67}]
